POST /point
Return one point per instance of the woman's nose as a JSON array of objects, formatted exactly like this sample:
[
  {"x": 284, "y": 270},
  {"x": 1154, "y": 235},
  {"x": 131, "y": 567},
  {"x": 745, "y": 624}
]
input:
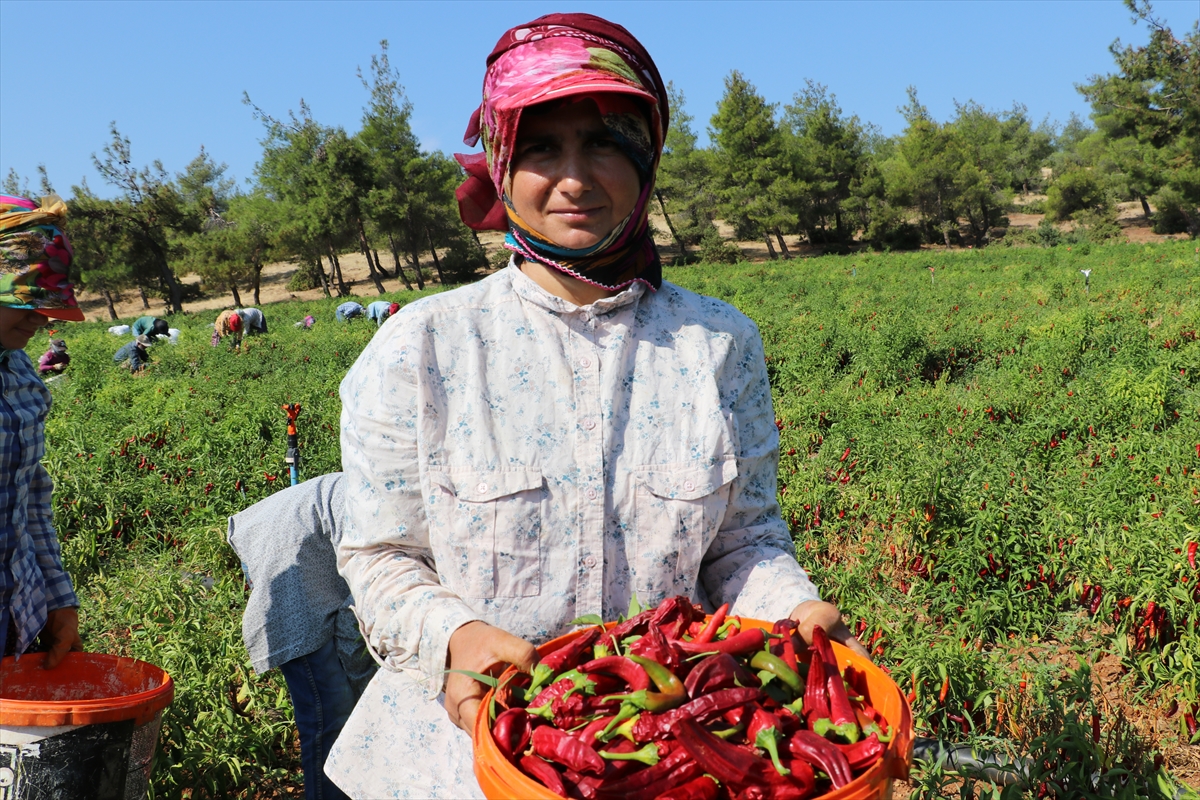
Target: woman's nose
[{"x": 575, "y": 175}]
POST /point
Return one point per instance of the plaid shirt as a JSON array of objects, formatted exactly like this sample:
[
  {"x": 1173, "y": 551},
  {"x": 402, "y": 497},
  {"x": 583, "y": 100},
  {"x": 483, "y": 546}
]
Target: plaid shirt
[{"x": 32, "y": 578}]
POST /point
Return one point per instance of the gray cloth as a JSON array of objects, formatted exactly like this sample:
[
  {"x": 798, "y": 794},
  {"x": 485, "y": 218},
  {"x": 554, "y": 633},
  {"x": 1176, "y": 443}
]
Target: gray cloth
[
  {"x": 298, "y": 602},
  {"x": 253, "y": 320}
]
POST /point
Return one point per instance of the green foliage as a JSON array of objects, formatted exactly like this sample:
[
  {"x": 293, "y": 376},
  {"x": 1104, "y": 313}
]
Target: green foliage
[
  {"x": 1074, "y": 191},
  {"x": 1010, "y": 440}
]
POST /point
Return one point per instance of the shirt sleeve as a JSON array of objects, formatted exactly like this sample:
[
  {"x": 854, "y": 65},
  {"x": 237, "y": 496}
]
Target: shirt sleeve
[
  {"x": 385, "y": 553},
  {"x": 751, "y": 563},
  {"x": 40, "y": 524}
]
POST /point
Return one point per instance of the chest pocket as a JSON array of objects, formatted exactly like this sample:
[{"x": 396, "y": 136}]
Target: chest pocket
[
  {"x": 678, "y": 510},
  {"x": 495, "y": 532}
]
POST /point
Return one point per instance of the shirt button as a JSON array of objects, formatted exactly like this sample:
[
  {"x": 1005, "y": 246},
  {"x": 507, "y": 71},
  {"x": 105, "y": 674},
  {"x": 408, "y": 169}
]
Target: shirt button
[
  {"x": 589, "y": 423},
  {"x": 481, "y": 488},
  {"x": 591, "y": 494},
  {"x": 589, "y": 561},
  {"x": 688, "y": 486},
  {"x": 585, "y": 362}
]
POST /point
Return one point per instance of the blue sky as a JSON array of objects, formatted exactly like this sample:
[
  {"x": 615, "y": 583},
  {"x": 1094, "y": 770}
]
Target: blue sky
[{"x": 172, "y": 74}]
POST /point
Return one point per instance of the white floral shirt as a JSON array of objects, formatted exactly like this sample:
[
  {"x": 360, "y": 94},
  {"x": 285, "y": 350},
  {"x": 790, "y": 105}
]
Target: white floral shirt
[{"x": 513, "y": 458}]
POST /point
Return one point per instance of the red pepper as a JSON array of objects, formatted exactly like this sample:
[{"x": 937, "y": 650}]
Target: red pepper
[
  {"x": 555, "y": 745},
  {"x": 569, "y": 656},
  {"x": 842, "y": 720},
  {"x": 719, "y": 702},
  {"x": 863, "y": 754},
  {"x": 544, "y": 774},
  {"x": 702, "y": 788},
  {"x": 1095, "y": 604},
  {"x": 720, "y": 671},
  {"x": 567, "y": 684},
  {"x": 1191, "y": 554},
  {"x": 820, "y": 752},
  {"x": 645, "y": 777},
  {"x": 634, "y": 626},
  {"x": 816, "y": 692},
  {"x": 745, "y": 642},
  {"x": 673, "y": 616},
  {"x": 763, "y": 731},
  {"x": 714, "y": 624},
  {"x": 726, "y": 762},
  {"x": 512, "y": 730},
  {"x": 628, "y": 671},
  {"x": 655, "y": 646}
]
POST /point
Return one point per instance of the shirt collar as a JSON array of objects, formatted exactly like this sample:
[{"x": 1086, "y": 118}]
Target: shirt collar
[{"x": 527, "y": 289}]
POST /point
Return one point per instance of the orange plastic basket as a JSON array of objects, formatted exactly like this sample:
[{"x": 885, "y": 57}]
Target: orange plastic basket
[{"x": 500, "y": 780}]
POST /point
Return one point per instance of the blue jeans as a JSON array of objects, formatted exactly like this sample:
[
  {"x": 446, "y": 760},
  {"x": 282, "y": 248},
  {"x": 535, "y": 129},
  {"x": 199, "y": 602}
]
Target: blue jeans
[{"x": 323, "y": 698}]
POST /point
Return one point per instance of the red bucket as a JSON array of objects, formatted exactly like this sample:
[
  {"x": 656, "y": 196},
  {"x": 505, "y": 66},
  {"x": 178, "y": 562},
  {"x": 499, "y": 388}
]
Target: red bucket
[{"x": 500, "y": 780}]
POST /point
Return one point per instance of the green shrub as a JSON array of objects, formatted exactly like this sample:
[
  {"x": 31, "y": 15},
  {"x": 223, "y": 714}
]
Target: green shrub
[
  {"x": 1075, "y": 191},
  {"x": 715, "y": 250}
]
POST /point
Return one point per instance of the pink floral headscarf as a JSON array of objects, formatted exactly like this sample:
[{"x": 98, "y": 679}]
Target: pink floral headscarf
[
  {"x": 35, "y": 257},
  {"x": 556, "y": 57}
]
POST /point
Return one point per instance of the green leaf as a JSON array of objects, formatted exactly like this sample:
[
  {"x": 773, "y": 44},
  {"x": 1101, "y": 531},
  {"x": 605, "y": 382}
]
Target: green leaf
[
  {"x": 587, "y": 619},
  {"x": 479, "y": 676},
  {"x": 635, "y": 607}
]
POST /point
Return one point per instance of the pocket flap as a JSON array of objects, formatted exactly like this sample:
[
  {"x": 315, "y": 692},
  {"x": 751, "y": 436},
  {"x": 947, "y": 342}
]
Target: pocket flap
[
  {"x": 481, "y": 486},
  {"x": 691, "y": 482}
]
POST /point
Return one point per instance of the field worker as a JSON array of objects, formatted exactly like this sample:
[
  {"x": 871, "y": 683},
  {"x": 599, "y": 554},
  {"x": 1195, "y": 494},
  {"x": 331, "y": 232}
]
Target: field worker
[
  {"x": 229, "y": 323},
  {"x": 379, "y": 311},
  {"x": 54, "y": 360},
  {"x": 253, "y": 320},
  {"x": 36, "y": 596},
  {"x": 298, "y": 617},
  {"x": 135, "y": 354},
  {"x": 151, "y": 326},
  {"x": 545, "y": 443},
  {"x": 348, "y": 311}
]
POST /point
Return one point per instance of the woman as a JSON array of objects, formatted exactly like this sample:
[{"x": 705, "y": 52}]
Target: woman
[
  {"x": 567, "y": 432},
  {"x": 36, "y": 595},
  {"x": 229, "y": 323}
]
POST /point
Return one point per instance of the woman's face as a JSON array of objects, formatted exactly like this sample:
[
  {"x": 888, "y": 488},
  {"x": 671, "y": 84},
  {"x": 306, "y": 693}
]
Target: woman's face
[
  {"x": 570, "y": 181},
  {"x": 17, "y": 327}
]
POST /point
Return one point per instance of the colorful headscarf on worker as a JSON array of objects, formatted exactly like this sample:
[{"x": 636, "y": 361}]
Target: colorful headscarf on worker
[
  {"x": 564, "y": 57},
  {"x": 35, "y": 257}
]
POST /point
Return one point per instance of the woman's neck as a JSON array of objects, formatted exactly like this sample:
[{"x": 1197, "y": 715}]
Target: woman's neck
[{"x": 562, "y": 285}]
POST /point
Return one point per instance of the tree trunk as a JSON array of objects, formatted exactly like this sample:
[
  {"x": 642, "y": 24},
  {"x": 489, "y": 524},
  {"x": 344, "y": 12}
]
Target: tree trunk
[
  {"x": 770, "y": 247},
  {"x": 416, "y": 257},
  {"x": 324, "y": 277},
  {"x": 433, "y": 249},
  {"x": 378, "y": 266},
  {"x": 257, "y": 280},
  {"x": 366, "y": 248},
  {"x": 399, "y": 269},
  {"x": 145, "y": 302},
  {"x": 942, "y": 220},
  {"x": 837, "y": 221},
  {"x": 343, "y": 290},
  {"x": 782, "y": 245},
  {"x": 112, "y": 310},
  {"x": 237, "y": 298},
  {"x": 683, "y": 253},
  {"x": 1145, "y": 206}
]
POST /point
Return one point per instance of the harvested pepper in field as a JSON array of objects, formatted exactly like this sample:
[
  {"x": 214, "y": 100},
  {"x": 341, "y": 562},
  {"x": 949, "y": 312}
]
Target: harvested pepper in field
[
  {"x": 646, "y": 777},
  {"x": 719, "y": 671},
  {"x": 726, "y": 762},
  {"x": 567, "y": 684},
  {"x": 512, "y": 730},
  {"x": 822, "y": 753},
  {"x": 864, "y": 753},
  {"x": 660, "y": 725},
  {"x": 842, "y": 720},
  {"x": 764, "y": 731},
  {"x": 629, "y": 671},
  {"x": 673, "y": 616},
  {"x": 709, "y": 631},
  {"x": 648, "y": 755},
  {"x": 776, "y": 666},
  {"x": 745, "y": 642},
  {"x": 702, "y": 788},
  {"x": 569, "y": 656},
  {"x": 562, "y": 748},
  {"x": 543, "y": 773}
]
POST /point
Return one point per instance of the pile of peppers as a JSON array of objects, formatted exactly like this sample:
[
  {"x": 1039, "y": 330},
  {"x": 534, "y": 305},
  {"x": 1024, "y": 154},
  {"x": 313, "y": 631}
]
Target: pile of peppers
[{"x": 667, "y": 704}]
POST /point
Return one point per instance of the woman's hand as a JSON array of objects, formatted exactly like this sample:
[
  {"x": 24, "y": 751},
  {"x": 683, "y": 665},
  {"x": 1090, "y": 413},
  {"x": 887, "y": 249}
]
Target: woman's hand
[
  {"x": 62, "y": 633},
  {"x": 816, "y": 612},
  {"x": 478, "y": 647}
]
